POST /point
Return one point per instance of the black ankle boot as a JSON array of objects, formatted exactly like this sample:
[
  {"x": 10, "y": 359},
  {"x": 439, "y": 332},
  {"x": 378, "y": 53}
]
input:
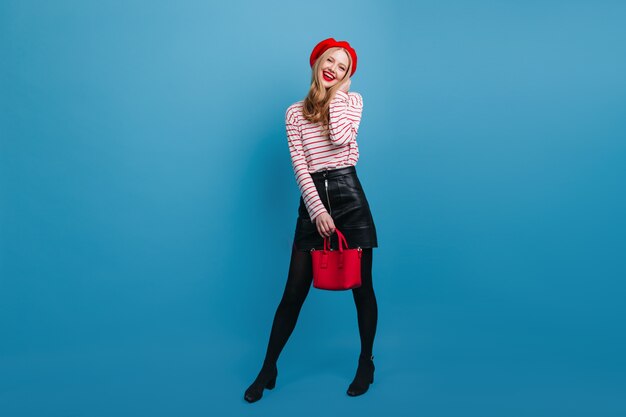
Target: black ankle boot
[
  {"x": 364, "y": 376},
  {"x": 265, "y": 379}
]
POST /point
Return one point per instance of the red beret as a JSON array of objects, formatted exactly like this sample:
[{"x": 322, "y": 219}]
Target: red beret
[{"x": 330, "y": 43}]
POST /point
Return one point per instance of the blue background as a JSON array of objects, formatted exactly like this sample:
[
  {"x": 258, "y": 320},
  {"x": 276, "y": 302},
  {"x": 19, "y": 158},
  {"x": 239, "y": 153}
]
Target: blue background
[{"x": 143, "y": 146}]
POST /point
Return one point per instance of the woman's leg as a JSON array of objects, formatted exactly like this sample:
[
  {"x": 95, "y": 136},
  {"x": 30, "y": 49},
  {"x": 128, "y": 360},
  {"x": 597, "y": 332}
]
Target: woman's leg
[
  {"x": 367, "y": 308},
  {"x": 296, "y": 290},
  {"x": 367, "y": 312}
]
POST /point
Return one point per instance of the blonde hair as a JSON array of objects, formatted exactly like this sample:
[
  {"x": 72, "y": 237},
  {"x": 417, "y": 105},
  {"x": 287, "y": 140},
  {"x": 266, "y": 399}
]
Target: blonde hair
[{"x": 316, "y": 106}]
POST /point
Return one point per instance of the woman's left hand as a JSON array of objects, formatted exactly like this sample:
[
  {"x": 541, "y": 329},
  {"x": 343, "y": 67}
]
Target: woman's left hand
[{"x": 345, "y": 84}]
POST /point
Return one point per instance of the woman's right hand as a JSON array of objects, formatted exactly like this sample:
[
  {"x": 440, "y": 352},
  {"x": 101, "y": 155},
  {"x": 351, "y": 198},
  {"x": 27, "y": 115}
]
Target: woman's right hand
[{"x": 325, "y": 225}]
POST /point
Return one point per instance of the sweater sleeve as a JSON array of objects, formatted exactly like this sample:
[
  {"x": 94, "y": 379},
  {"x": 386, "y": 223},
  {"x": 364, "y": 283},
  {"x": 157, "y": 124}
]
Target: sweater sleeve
[
  {"x": 305, "y": 183},
  {"x": 345, "y": 117}
]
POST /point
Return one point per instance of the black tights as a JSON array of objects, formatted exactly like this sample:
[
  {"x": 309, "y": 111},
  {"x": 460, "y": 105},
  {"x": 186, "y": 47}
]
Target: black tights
[{"x": 296, "y": 290}]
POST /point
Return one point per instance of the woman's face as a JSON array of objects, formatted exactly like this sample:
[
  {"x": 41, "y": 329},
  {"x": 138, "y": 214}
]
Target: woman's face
[{"x": 334, "y": 69}]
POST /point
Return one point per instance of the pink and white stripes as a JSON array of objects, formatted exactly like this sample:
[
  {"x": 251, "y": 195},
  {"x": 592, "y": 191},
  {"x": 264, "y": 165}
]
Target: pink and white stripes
[{"x": 311, "y": 151}]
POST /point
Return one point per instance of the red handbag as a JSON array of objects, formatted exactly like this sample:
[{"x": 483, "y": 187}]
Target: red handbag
[{"x": 336, "y": 269}]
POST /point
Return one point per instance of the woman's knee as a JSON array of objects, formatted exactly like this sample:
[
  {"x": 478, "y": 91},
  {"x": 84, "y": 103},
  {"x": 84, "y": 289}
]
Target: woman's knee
[{"x": 295, "y": 295}]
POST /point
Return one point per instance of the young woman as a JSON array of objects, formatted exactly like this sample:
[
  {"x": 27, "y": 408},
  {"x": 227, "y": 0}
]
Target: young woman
[{"x": 321, "y": 132}]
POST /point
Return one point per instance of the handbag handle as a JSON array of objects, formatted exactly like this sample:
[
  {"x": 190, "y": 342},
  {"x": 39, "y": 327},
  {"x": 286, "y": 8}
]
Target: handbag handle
[{"x": 341, "y": 238}]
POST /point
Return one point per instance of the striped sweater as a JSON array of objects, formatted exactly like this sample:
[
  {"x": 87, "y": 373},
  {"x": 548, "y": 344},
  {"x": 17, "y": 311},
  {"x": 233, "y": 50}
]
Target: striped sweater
[{"x": 311, "y": 151}]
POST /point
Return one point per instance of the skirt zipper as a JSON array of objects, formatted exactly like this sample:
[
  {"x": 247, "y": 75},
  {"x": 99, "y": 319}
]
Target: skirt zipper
[
  {"x": 330, "y": 209},
  {"x": 327, "y": 199}
]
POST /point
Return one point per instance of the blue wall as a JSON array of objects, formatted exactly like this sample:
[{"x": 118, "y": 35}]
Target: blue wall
[{"x": 142, "y": 143}]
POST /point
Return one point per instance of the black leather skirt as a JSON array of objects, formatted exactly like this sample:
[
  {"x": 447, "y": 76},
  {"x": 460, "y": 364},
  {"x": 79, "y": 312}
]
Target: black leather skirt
[{"x": 342, "y": 194}]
